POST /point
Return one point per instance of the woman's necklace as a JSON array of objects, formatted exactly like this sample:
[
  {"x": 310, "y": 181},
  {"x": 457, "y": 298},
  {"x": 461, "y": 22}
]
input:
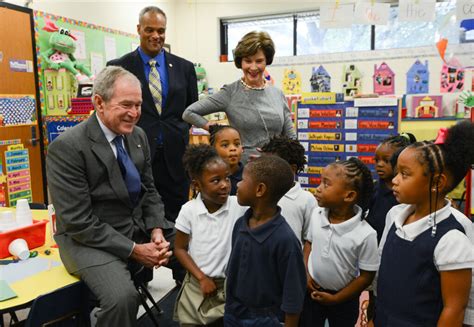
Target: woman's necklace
[{"x": 254, "y": 87}]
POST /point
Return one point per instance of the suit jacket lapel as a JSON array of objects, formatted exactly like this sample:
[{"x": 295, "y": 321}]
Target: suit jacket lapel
[
  {"x": 103, "y": 151},
  {"x": 170, "y": 68}
]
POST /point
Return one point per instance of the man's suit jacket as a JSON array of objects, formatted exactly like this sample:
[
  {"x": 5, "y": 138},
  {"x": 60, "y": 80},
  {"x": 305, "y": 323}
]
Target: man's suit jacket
[
  {"x": 96, "y": 221},
  {"x": 182, "y": 92}
]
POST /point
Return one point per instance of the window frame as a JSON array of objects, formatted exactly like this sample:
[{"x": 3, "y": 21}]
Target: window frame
[{"x": 225, "y": 22}]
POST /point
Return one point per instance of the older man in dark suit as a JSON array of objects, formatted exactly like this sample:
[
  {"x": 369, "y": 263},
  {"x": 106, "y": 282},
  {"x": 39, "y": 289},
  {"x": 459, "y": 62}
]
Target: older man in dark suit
[
  {"x": 109, "y": 214},
  {"x": 169, "y": 85}
]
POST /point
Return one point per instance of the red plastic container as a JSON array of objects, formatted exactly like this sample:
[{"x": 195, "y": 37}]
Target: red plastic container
[{"x": 34, "y": 235}]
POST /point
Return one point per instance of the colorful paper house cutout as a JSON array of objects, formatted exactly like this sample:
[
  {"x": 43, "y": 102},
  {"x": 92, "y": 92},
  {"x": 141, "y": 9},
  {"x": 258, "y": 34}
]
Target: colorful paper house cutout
[
  {"x": 384, "y": 79},
  {"x": 427, "y": 106},
  {"x": 418, "y": 78},
  {"x": 351, "y": 80},
  {"x": 320, "y": 80},
  {"x": 452, "y": 77},
  {"x": 291, "y": 82}
]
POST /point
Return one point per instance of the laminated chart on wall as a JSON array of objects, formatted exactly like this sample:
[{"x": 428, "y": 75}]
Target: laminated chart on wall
[
  {"x": 55, "y": 126},
  {"x": 337, "y": 131},
  {"x": 17, "y": 168}
]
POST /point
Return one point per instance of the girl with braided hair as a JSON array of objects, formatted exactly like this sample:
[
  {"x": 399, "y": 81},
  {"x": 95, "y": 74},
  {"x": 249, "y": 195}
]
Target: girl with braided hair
[
  {"x": 426, "y": 253},
  {"x": 203, "y": 237},
  {"x": 341, "y": 248},
  {"x": 383, "y": 199}
]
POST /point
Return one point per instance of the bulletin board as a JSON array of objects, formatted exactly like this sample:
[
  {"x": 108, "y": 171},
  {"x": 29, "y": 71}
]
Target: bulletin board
[
  {"x": 339, "y": 130},
  {"x": 95, "y": 46}
]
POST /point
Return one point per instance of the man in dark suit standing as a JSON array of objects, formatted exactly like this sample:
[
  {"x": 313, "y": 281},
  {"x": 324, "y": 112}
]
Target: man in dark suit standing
[
  {"x": 110, "y": 218},
  {"x": 169, "y": 85}
]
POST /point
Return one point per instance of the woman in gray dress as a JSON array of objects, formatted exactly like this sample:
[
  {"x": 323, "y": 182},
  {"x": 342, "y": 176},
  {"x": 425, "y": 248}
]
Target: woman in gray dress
[{"x": 255, "y": 108}]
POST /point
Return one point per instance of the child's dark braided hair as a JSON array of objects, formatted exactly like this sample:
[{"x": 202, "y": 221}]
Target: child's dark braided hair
[
  {"x": 216, "y": 129},
  {"x": 360, "y": 179},
  {"x": 196, "y": 157},
  {"x": 452, "y": 154},
  {"x": 288, "y": 149},
  {"x": 399, "y": 142}
]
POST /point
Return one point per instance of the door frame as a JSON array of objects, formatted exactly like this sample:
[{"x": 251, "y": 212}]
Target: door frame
[{"x": 39, "y": 117}]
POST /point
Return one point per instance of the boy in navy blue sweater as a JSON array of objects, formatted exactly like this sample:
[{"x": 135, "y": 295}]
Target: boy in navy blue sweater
[{"x": 266, "y": 278}]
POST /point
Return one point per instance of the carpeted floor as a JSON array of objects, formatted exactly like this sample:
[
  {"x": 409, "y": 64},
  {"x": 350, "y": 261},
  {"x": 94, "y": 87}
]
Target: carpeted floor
[{"x": 165, "y": 319}]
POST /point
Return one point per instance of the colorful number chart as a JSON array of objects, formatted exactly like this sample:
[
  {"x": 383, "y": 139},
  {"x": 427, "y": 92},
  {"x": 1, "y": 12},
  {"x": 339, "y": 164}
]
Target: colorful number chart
[
  {"x": 17, "y": 164},
  {"x": 340, "y": 130}
]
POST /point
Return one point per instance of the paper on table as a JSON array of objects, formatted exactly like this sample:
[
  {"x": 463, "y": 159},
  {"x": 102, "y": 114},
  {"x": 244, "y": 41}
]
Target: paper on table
[
  {"x": 24, "y": 269},
  {"x": 5, "y": 291}
]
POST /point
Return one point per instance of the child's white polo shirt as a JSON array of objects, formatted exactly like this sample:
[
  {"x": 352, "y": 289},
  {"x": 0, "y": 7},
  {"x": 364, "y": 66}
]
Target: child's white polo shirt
[
  {"x": 338, "y": 251},
  {"x": 296, "y": 207},
  {"x": 210, "y": 233}
]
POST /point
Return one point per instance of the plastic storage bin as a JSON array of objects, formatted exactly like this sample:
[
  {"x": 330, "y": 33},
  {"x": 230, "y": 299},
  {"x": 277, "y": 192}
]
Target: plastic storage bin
[{"x": 34, "y": 235}]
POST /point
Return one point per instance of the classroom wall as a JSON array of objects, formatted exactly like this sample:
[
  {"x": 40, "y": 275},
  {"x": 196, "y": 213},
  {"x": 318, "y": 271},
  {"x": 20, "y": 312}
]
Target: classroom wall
[
  {"x": 198, "y": 40},
  {"x": 122, "y": 16},
  {"x": 193, "y": 33}
]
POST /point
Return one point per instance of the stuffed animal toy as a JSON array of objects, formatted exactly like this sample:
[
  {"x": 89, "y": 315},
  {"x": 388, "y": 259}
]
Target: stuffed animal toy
[
  {"x": 201, "y": 78},
  {"x": 60, "y": 54}
]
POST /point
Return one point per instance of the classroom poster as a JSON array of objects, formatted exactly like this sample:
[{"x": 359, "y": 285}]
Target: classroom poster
[
  {"x": 17, "y": 109},
  {"x": 427, "y": 106},
  {"x": 418, "y": 78},
  {"x": 17, "y": 167},
  {"x": 320, "y": 80},
  {"x": 291, "y": 82},
  {"x": 337, "y": 131},
  {"x": 452, "y": 77},
  {"x": 351, "y": 80},
  {"x": 384, "y": 79}
]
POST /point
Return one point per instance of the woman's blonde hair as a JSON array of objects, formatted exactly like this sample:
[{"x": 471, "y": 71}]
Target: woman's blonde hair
[{"x": 251, "y": 43}]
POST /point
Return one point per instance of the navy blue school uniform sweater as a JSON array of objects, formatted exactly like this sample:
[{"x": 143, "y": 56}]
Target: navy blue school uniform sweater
[
  {"x": 382, "y": 201},
  {"x": 235, "y": 178}
]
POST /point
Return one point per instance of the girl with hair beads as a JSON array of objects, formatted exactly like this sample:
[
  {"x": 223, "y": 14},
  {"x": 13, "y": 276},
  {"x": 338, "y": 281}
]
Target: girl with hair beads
[
  {"x": 226, "y": 140},
  {"x": 383, "y": 199},
  {"x": 203, "y": 237},
  {"x": 341, "y": 248},
  {"x": 427, "y": 257}
]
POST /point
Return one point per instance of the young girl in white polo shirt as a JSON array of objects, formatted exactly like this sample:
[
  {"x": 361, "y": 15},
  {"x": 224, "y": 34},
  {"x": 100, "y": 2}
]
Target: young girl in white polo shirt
[
  {"x": 341, "y": 248},
  {"x": 427, "y": 258},
  {"x": 203, "y": 237}
]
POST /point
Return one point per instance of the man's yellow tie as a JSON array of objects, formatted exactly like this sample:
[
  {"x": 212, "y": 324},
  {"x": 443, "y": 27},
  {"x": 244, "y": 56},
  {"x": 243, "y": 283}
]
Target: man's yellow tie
[{"x": 155, "y": 85}]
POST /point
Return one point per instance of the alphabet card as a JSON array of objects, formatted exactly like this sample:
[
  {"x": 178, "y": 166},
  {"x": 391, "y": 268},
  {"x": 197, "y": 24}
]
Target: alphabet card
[
  {"x": 384, "y": 79},
  {"x": 418, "y": 78},
  {"x": 452, "y": 77}
]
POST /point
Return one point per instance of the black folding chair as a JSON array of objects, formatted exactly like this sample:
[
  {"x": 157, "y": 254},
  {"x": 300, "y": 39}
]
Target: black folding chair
[{"x": 66, "y": 306}]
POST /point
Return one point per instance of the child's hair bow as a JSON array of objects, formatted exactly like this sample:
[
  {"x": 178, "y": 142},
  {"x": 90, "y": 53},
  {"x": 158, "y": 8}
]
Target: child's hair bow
[{"x": 442, "y": 135}]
